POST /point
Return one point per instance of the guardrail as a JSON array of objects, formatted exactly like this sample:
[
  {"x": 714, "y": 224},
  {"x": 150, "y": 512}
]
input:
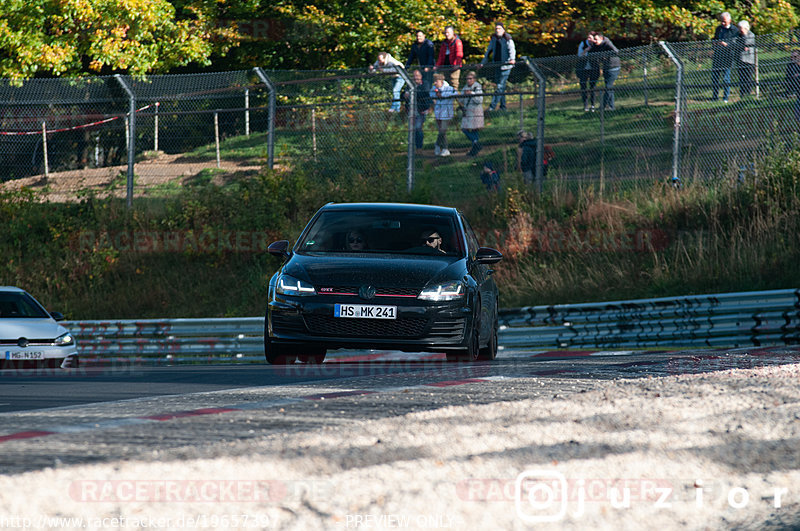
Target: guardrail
[{"x": 730, "y": 319}]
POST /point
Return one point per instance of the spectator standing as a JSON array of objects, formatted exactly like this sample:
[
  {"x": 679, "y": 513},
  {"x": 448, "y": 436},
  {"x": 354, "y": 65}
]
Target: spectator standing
[
  {"x": 386, "y": 64},
  {"x": 746, "y": 63},
  {"x": 588, "y": 71},
  {"x": 501, "y": 51},
  {"x": 442, "y": 95},
  {"x": 423, "y": 105},
  {"x": 471, "y": 101},
  {"x": 608, "y": 55},
  {"x": 527, "y": 159},
  {"x": 793, "y": 81},
  {"x": 724, "y": 46},
  {"x": 423, "y": 52},
  {"x": 451, "y": 55}
]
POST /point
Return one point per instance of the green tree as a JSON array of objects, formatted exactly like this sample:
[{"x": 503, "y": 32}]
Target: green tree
[{"x": 68, "y": 37}]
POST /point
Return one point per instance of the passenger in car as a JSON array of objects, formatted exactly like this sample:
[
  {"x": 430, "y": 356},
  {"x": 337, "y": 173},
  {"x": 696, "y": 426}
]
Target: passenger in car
[{"x": 355, "y": 241}]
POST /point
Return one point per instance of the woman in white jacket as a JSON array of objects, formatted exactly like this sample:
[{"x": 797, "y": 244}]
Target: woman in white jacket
[{"x": 471, "y": 101}]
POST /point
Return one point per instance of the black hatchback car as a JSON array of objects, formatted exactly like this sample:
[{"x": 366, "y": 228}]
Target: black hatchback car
[{"x": 382, "y": 275}]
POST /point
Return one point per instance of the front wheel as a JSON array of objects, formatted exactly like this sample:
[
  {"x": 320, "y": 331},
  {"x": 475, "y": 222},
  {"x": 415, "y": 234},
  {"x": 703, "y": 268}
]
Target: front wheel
[
  {"x": 490, "y": 351},
  {"x": 278, "y": 354}
]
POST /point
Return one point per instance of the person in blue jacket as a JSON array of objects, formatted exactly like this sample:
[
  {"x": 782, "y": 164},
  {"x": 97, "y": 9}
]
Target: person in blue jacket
[
  {"x": 503, "y": 54},
  {"x": 442, "y": 95}
]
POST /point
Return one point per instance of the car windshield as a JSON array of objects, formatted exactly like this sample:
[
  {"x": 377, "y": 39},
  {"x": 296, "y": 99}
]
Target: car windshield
[
  {"x": 353, "y": 231},
  {"x": 15, "y": 304}
]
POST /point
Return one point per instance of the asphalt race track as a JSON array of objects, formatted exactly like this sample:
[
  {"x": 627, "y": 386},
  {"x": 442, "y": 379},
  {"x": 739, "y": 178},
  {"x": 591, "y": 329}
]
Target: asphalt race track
[{"x": 32, "y": 389}]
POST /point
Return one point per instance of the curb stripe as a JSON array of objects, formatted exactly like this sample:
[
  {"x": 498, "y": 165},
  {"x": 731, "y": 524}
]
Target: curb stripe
[
  {"x": 451, "y": 383},
  {"x": 338, "y": 394},
  {"x": 192, "y": 413},
  {"x": 24, "y": 435}
]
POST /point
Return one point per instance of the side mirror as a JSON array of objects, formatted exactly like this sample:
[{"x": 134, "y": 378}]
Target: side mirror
[
  {"x": 279, "y": 249},
  {"x": 58, "y": 316},
  {"x": 487, "y": 255}
]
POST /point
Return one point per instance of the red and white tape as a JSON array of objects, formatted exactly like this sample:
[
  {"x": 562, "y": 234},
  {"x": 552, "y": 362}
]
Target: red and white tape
[{"x": 73, "y": 128}]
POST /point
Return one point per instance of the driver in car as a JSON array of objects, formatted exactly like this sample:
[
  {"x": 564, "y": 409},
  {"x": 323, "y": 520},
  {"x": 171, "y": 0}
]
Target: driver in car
[{"x": 432, "y": 239}]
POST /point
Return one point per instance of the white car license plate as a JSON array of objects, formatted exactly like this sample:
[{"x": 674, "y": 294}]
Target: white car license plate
[
  {"x": 37, "y": 355},
  {"x": 364, "y": 311}
]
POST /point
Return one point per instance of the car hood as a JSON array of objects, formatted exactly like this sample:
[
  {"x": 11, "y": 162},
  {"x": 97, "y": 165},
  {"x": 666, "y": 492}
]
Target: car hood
[
  {"x": 379, "y": 270},
  {"x": 13, "y": 329}
]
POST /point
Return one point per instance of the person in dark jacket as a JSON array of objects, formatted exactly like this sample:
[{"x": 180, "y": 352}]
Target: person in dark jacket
[
  {"x": 423, "y": 52},
  {"x": 527, "y": 159},
  {"x": 588, "y": 72},
  {"x": 502, "y": 52},
  {"x": 423, "y": 105},
  {"x": 451, "y": 56},
  {"x": 489, "y": 177},
  {"x": 608, "y": 55},
  {"x": 724, "y": 46},
  {"x": 746, "y": 61}
]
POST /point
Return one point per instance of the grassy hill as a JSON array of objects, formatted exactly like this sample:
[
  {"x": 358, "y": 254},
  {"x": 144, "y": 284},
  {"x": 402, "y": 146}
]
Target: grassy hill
[{"x": 195, "y": 248}]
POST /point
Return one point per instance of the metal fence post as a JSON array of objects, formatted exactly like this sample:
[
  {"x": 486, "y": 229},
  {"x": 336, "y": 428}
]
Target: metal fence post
[
  {"x": 679, "y": 97},
  {"x": 44, "y": 150},
  {"x": 247, "y": 112},
  {"x": 644, "y": 75},
  {"x": 131, "y": 137},
  {"x": 412, "y": 116},
  {"x": 540, "y": 105},
  {"x": 271, "y": 125}
]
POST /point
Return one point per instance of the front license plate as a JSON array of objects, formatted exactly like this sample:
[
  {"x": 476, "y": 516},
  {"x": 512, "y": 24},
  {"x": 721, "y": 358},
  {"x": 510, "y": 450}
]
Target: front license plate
[
  {"x": 37, "y": 355},
  {"x": 363, "y": 311}
]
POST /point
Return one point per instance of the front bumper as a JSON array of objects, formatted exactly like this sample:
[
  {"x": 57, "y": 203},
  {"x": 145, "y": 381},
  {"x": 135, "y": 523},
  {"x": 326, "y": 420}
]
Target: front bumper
[
  {"x": 12, "y": 354},
  {"x": 418, "y": 327}
]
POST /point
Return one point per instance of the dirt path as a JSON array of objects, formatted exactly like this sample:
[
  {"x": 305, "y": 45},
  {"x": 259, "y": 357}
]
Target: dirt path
[{"x": 152, "y": 174}]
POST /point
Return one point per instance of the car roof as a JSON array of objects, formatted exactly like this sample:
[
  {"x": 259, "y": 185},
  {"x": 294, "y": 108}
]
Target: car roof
[
  {"x": 12, "y": 288},
  {"x": 395, "y": 207}
]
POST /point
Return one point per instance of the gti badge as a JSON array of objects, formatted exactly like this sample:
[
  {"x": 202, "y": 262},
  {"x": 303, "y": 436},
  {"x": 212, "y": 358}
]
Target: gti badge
[{"x": 366, "y": 292}]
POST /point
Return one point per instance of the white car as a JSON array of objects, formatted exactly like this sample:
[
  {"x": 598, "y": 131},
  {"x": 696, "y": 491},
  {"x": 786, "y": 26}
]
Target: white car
[{"x": 29, "y": 334}]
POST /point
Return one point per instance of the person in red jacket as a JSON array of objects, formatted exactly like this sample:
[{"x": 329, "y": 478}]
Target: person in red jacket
[{"x": 451, "y": 55}]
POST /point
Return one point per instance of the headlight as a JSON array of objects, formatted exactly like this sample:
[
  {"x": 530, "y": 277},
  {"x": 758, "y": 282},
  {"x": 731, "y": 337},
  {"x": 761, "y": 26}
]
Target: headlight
[
  {"x": 291, "y": 286},
  {"x": 448, "y": 291},
  {"x": 64, "y": 340}
]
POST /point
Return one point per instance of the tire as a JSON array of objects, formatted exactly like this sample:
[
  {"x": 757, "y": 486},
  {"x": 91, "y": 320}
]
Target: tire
[
  {"x": 278, "y": 354},
  {"x": 312, "y": 355},
  {"x": 473, "y": 348},
  {"x": 490, "y": 351}
]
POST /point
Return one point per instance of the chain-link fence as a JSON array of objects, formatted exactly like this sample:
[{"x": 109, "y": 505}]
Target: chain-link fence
[{"x": 650, "y": 119}]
